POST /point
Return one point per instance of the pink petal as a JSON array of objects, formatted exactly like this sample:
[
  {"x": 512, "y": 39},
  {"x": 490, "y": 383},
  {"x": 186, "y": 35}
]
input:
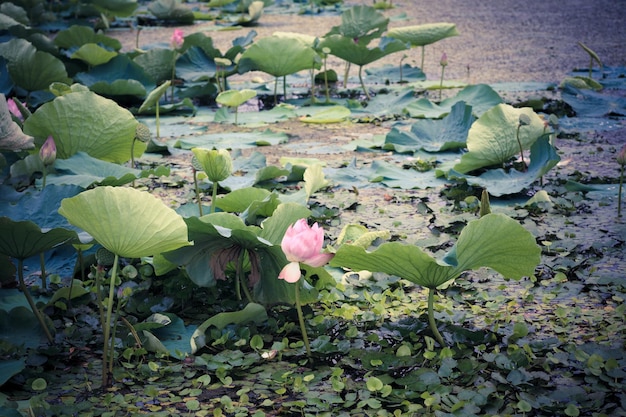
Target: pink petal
[
  {"x": 320, "y": 259},
  {"x": 291, "y": 272}
]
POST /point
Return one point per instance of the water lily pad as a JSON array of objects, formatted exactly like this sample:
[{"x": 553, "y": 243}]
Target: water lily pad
[
  {"x": 278, "y": 56},
  {"x": 93, "y": 54},
  {"x": 480, "y": 96},
  {"x": 434, "y": 135}
]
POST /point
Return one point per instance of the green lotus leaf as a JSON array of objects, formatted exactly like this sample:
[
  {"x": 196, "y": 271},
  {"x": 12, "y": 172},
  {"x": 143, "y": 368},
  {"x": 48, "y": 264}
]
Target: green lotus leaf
[
  {"x": 333, "y": 114},
  {"x": 87, "y": 122},
  {"x": 23, "y": 239},
  {"x": 128, "y": 222},
  {"x": 498, "y": 182},
  {"x": 480, "y": 96},
  {"x": 157, "y": 63},
  {"x": 119, "y": 88},
  {"x": 93, "y": 54},
  {"x": 153, "y": 98},
  {"x": 434, "y": 135},
  {"x": 121, "y": 8},
  {"x": 10, "y": 367},
  {"x": 219, "y": 3},
  {"x": 278, "y": 56},
  {"x": 78, "y": 35},
  {"x": 495, "y": 241},
  {"x": 492, "y": 139},
  {"x": 235, "y": 98},
  {"x": 171, "y": 10},
  {"x": 361, "y": 24},
  {"x": 31, "y": 69},
  {"x": 359, "y": 54},
  {"x": 421, "y": 35},
  {"x": 119, "y": 68}
]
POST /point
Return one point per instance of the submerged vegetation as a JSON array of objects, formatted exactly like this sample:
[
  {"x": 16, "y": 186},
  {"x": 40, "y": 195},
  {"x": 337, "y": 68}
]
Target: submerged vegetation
[{"x": 471, "y": 266}]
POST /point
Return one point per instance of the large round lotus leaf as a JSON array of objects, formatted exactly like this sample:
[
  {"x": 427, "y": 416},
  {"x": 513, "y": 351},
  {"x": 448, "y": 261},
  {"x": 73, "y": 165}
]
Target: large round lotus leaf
[
  {"x": 493, "y": 138},
  {"x": 126, "y": 221},
  {"x": 31, "y": 69},
  {"x": 235, "y": 98},
  {"x": 358, "y": 54},
  {"x": 79, "y": 35},
  {"x": 421, "y": 35},
  {"x": 158, "y": 63},
  {"x": 87, "y": 122},
  {"x": 361, "y": 24},
  {"x": 278, "y": 56}
]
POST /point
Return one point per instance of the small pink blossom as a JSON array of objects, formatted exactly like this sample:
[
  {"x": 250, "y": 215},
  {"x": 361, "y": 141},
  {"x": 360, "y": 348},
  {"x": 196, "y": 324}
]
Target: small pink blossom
[
  {"x": 444, "y": 60},
  {"x": 177, "y": 39},
  {"x": 48, "y": 152},
  {"x": 302, "y": 244},
  {"x": 621, "y": 156},
  {"x": 15, "y": 111}
]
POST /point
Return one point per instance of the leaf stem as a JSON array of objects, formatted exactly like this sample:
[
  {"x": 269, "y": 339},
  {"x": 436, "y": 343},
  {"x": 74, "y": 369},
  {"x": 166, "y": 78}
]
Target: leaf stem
[
  {"x": 31, "y": 302},
  {"x": 362, "y": 83},
  {"x": 619, "y": 193},
  {"x": 213, "y": 197},
  {"x": 195, "y": 183},
  {"x": 431, "y": 317},
  {"x": 109, "y": 345},
  {"x": 305, "y": 337}
]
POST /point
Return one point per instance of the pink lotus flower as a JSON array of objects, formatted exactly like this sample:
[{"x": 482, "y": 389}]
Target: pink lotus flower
[
  {"x": 15, "y": 111},
  {"x": 302, "y": 244},
  {"x": 48, "y": 151},
  {"x": 177, "y": 39}
]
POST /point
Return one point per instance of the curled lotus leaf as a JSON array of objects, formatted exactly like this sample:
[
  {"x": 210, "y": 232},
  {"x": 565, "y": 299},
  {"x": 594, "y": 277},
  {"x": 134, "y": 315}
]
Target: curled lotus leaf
[
  {"x": 11, "y": 136},
  {"x": 421, "y": 35}
]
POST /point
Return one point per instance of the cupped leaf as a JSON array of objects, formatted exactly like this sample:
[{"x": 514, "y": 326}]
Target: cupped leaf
[
  {"x": 360, "y": 54},
  {"x": 23, "y": 239},
  {"x": 361, "y": 24},
  {"x": 434, "y": 135},
  {"x": 93, "y": 54},
  {"x": 128, "y": 222},
  {"x": 235, "y": 98},
  {"x": 171, "y": 10},
  {"x": 87, "y": 122},
  {"x": 421, "y": 35},
  {"x": 498, "y": 182},
  {"x": 495, "y": 241},
  {"x": 120, "y": 68},
  {"x": 278, "y": 56},
  {"x": 493, "y": 138},
  {"x": 121, "y": 8},
  {"x": 153, "y": 98}
]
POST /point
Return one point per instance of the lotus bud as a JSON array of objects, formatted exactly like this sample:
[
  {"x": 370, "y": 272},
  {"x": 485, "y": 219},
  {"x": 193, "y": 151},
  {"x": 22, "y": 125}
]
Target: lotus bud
[
  {"x": 621, "y": 156},
  {"x": 177, "y": 39},
  {"x": 444, "y": 60},
  {"x": 485, "y": 207},
  {"x": 14, "y": 108},
  {"x": 216, "y": 163},
  {"x": 48, "y": 152}
]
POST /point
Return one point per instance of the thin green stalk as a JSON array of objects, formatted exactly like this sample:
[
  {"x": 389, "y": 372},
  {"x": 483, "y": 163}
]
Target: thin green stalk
[
  {"x": 214, "y": 196},
  {"x": 443, "y": 68},
  {"x": 195, "y": 183},
  {"x": 109, "y": 344},
  {"x": 362, "y": 83},
  {"x": 521, "y": 150},
  {"x": 158, "y": 122},
  {"x": 619, "y": 193},
  {"x": 240, "y": 277},
  {"x": 431, "y": 316},
  {"x": 326, "y": 81},
  {"x": 45, "y": 172},
  {"x": 31, "y": 302},
  {"x": 42, "y": 263},
  {"x": 305, "y": 337},
  {"x": 423, "y": 53}
]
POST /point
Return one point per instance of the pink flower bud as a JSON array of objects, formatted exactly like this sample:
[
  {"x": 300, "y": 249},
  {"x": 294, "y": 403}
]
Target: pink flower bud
[
  {"x": 177, "y": 39},
  {"x": 48, "y": 152},
  {"x": 302, "y": 244},
  {"x": 621, "y": 156},
  {"x": 15, "y": 111},
  {"x": 444, "y": 60}
]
